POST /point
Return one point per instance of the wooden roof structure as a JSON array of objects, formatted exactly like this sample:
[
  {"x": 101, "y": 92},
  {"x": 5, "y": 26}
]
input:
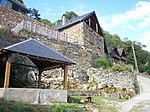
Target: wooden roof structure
[
  {"x": 43, "y": 57},
  {"x": 118, "y": 53}
]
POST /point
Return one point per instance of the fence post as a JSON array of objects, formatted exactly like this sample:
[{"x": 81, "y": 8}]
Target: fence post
[
  {"x": 34, "y": 28},
  {"x": 30, "y": 26},
  {"x": 56, "y": 34},
  {"x": 66, "y": 38},
  {"x": 22, "y": 24}
]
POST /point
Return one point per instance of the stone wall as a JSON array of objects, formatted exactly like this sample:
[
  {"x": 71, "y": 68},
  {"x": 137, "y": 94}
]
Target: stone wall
[
  {"x": 111, "y": 78},
  {"x": 75, "y": 31},
  {"x": 9, "y": 19},
  {"x": 93, "y": 41},
  {"x": 34, "y": 95}
]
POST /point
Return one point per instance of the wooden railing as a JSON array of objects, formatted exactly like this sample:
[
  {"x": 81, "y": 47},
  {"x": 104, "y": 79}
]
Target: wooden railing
[{"x": 30, "y": 27}]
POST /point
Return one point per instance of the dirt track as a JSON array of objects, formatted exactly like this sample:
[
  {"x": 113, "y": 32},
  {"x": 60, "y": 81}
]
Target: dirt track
[{"x": 143, "y": 98}]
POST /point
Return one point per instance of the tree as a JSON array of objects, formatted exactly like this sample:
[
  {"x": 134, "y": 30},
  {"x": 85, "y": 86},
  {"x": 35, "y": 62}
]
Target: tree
[
  {"x": 143, "y": 57},
  {"x": 34, "y": 13},
  {"x": 21, "y": 1},
  {"x": 46, "y": 21},
  {"x": 70, "y": 15}
]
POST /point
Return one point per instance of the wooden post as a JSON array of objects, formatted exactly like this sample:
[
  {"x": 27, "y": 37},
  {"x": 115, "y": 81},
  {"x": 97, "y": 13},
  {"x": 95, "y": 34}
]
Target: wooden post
[
  {"x": 7, "y": 71},
  {"x": 135, "y": 60},
  {"x": 89, "y": 21},
  {"x": 65, "y": 76},
  {"x": 97, "y": 27},
  {"x": 39, "y": 78}
]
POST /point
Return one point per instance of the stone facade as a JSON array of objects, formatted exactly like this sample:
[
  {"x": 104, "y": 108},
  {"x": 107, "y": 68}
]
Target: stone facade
[
  {"x": 91, "y": 41},
  {"x": 76, "y": 31}
]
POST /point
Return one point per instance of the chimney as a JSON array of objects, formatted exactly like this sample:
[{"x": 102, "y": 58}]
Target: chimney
[{"x": 64, "y": 20}]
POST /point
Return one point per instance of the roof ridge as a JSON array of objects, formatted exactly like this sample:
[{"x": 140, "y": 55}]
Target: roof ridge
[
  {"x": 75, "y": 20},
  {"x": 18, "y": 43}
]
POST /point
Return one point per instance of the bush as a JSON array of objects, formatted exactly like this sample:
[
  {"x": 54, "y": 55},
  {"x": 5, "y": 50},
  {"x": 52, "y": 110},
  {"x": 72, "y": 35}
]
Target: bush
[
  {"x": 102, "y": 62},
  {"x": 66, "y": 108},
  {"x": 118, "y": 68},
  {"x": 122, "y": 68},
  {"x": 129, "y": 68}
]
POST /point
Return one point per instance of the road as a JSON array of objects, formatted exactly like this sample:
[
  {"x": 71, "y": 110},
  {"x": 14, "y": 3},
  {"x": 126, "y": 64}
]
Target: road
[{"x": 143, "y": 98}]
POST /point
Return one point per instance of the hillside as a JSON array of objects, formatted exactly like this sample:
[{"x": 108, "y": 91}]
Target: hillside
[{"x": 143, "y": 57}]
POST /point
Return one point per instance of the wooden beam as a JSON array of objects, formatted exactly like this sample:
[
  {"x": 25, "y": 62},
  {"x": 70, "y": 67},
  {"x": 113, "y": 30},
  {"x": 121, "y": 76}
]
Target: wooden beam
[
  {"x": 39, "y": 78},
  {"x": 65, "y": 76},
  {"x": 24, "y": 65},
  {"x": 7, "y": 70},
  {"x": 37, "y": 57},
  {"x": 97, "y": 27},
  {"x": 53, "y": 67},
  {"x": 89, "y": 21}
]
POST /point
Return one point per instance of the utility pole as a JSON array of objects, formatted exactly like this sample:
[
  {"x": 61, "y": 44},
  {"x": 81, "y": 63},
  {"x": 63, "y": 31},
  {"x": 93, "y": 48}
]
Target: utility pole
[{"x": 135, "y": 60}]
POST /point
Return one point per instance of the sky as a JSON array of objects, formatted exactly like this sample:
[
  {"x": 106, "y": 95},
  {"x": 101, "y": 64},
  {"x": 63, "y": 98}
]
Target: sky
[{"x": 126, "y": 18}]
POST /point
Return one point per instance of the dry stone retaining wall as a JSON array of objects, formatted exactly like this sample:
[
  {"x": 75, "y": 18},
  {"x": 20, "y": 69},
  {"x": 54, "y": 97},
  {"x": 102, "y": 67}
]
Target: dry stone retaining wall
[{"x": 9, "y": 19}]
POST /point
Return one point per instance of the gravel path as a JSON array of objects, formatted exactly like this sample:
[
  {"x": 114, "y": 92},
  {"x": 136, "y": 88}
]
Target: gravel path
[{"x": 144, "y": 96}]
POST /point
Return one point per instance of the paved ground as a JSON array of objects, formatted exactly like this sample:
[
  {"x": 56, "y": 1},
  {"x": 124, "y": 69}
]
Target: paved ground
[{"x": 143, "y": 98}]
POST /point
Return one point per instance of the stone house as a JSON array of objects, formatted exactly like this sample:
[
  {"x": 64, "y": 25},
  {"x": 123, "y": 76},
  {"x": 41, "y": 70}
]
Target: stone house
[
  {"x": 15, "y": 5},
  {"x": 87, "y": 30}
]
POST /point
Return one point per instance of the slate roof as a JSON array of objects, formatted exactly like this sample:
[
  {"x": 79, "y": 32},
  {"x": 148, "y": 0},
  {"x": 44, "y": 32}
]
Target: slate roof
[
  {"x": 75, "y": 20},
  {"x": 41, "y": 55},
  {"x": 118, "y": 53}
]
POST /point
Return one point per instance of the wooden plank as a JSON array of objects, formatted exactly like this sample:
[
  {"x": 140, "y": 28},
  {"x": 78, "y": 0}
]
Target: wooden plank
[
  {"x": 7, "y": 71},
  {"x": 65, "y": 76},
  {"x": 39, "y": 78}
]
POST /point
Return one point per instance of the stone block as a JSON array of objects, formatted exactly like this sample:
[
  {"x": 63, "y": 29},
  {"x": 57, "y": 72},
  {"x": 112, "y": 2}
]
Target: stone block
[
  {"x": 83, "y": 92},
  {"x": 114, "y": 95},
  {"x": 35, "y": 95},
  {"x": 1, "y": 92}
]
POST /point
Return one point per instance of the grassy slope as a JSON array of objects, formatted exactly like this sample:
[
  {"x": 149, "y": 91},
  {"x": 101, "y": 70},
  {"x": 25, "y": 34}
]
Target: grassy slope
[{"x": 97, "y": 102}]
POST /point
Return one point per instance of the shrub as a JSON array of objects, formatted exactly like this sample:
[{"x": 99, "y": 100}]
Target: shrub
[
  {"x": 122, "y": 68},
  {"x": 102, "y": 62},
  {"x": 66, "y": 108},
  {"x": 118, "y": 68},
  {"x": 129, "y": 68},
  {"x": 136, "y": 86}
]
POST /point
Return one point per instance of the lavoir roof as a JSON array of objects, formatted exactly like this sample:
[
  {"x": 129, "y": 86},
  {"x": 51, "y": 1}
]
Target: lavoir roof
[{"x": 42, "y": 56}]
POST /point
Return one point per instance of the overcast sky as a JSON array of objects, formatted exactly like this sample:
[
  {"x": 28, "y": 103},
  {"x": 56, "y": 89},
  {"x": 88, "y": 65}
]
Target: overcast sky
[{"x": 127, "y": 18}]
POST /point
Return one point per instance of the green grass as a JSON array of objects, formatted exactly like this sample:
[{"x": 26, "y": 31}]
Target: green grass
[
  {"x": 11, "y": 106},
  {"x": 98, "y": 102},
  {"x": 74, "y": 105}
]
